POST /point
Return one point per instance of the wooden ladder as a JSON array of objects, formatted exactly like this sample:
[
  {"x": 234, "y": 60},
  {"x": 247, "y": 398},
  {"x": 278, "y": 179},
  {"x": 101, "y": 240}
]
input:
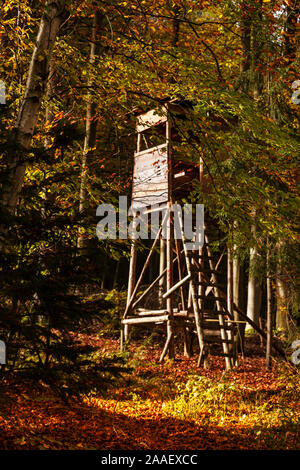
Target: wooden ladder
[{"x": 213, "y": 325}]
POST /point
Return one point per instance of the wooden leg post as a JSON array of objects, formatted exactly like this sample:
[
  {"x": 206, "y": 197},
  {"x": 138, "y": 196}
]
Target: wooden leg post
[
  {"x": 131, "y": 284},
  {"x": 162, "y": 262},
  {"x": 230, "y": 298},
  {"x": 269, "y": 314},
  {"x": 170, "y": 283}
]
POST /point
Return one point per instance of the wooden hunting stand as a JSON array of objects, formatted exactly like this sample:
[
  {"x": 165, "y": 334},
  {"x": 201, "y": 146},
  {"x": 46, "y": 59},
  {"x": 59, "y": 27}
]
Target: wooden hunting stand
[{"x": 189, "y": 296}]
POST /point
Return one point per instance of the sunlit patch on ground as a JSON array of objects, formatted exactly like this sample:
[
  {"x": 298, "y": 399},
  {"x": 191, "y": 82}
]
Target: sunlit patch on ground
[{"x": 167, "y": 406}]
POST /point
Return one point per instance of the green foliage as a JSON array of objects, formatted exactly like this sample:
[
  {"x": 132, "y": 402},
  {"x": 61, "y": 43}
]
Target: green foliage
[
  {"x": 221, "y": 401},
  {"x": 110, "y": 307},
  {"x": 200, "y": 393}
]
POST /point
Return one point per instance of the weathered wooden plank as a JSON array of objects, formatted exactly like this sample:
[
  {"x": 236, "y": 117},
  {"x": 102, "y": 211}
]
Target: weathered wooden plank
[
  {"x": 150, "y": 319},
  {"x": 150, "y": 177},
  {"x": 158, "y": 148},
  {"x": 149, "y": 119},
  {"x": 144, "y": 312}
]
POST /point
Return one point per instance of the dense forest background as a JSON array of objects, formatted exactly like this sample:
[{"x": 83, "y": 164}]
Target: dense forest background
[{"x": 75, "y": 74}]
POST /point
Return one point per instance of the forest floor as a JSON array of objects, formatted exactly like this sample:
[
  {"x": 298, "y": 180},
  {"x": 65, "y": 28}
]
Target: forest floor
[{"x": 169, "y": 406}]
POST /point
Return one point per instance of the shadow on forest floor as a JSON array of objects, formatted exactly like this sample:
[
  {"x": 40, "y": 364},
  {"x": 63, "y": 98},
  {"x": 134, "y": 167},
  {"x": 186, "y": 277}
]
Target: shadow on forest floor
[
  {"x": 43, "y": 422},
  {"x": 247, "y": 408}
]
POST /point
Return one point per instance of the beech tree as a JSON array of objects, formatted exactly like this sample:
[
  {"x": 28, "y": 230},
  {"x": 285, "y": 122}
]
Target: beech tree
[
  {"x": 53, "y": 16},
  {"x": 91, "y": 120}
]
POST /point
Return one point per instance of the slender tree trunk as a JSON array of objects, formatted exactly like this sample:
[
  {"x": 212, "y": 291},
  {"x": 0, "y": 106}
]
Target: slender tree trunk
[
  {"x": 256, "y": 51},
  {"x": 269, "y": 314},
  {"x": 51, "y": 90},
  {"x": 49, "y": 116},
  {"x": 35, "y": 89},
  {"x": 237, "y": 299},
  {"x": 254, "y": 290},
  {"x": 90, "y": 127},
  {"x": 244, "y": 80},
  {"x": 281, "y": 307}
]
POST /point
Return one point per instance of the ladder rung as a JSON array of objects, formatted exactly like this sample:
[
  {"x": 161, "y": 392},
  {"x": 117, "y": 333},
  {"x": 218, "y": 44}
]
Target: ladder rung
[
  {"x": 192, "y": 254},
  {"x": 208, "y": 284},
  {"x": 207, "y": 325},
  {"x": 145, "y": 313},
  {"x": 205, "y": 297},
  {"x": 217, "y": 340},
  {"x": 213, "y": 312},
  {"x": 222, "y": 354},
  {"x": 207, "y": 274},
  {"x": 210, "y": 271},
  {"x": 147, "y": 319}
]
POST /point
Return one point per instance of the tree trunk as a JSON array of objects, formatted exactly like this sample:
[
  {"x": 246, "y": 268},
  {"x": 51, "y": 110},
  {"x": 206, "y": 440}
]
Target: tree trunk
[
  {"x": 238, "y": 300},
  {"x": 254, "y": 291},
  {"x": 256, "y": 51},
  {"x": 244, "y": 81},
  {"x": 35, "y": 89},
  {"x": 254, "y": 288},
  {"x": 269, "y": 314},
  {"x": 281, "y": 308},
  {"x": 90, "y": 127}
]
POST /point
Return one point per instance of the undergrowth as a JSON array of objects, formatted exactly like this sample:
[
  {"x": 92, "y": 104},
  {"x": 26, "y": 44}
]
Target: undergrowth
[{"x": 226, "y": 401}]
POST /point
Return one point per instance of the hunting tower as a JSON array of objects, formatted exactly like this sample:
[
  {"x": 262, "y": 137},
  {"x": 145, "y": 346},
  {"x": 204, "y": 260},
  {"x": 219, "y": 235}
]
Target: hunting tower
[{"x": 189, "y": 297}]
